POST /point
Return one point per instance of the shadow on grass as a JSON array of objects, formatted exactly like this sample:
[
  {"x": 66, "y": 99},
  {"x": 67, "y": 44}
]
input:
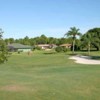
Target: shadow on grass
[
  {"x": 47, "y": 53},
  {"x": 70, "y": 54},
  {"x": 85, "y": 54},
  {"x": 95, "y": 57}
]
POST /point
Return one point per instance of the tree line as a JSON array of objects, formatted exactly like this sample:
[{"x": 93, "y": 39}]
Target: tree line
[
  {"x": 38, "y": 40},
  {"x": 89, "y": 40}
]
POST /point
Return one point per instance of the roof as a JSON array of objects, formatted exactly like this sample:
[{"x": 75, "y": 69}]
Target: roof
[
  {"x": 43, "y": 45},
  {"x": 19, "y": 46},
  {"x": 63, "y": 45}
]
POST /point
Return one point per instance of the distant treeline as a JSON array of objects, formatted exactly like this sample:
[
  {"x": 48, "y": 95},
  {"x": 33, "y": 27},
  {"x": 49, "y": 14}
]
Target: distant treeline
[
  {"x": 91, "y": 39},
  {"x": 39, "y": 40}
]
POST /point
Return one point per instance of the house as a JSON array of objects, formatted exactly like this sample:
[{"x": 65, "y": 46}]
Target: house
[
  {"x": 66, "y": 45},
  {"x": 19, "y": 47},
  {"x": 46, "y": 46},
  {"x": 53, "y": 46},
  {"x": 43, "y": 46}
]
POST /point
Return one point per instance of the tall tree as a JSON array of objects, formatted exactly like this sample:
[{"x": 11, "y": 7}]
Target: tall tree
[
  {"x": 62, "y": 41},
  {"x": 26, "y": 41},
  {"x": 3, "y": 49},
  {"x": 91, "y": 39},
  {"x": 96, "y": 37},
  {"x": 11, "y": 40},
  {"x": 73, "y": 32},
  {"x": 87, "y": 41}
]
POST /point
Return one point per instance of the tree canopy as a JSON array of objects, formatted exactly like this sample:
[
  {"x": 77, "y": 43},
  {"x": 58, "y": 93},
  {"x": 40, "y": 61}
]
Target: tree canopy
[{"x": 92, "y": 38}]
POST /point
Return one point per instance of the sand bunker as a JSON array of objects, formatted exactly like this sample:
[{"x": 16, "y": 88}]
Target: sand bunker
[{"x": 84, "y": 60}]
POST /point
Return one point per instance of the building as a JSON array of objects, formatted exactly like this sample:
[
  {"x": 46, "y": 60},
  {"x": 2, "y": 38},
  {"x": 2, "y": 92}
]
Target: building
[
  {"x": 19, "y": 47},
  {"x": 46, "y": 46},
  {"x": 66, "y": 45}
]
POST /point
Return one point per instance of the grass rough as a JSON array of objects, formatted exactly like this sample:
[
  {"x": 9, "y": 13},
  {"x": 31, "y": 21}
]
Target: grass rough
[{"x": 48, "y": 77}]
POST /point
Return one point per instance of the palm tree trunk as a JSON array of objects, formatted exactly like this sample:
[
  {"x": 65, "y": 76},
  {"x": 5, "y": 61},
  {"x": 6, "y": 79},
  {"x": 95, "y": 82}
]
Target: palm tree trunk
[
  {"x": 89, "y": 48},
  {"x": 73, "y": 46}
]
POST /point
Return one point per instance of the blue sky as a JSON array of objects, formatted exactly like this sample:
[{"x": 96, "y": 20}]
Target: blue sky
[{"x": 20, "y": 18}]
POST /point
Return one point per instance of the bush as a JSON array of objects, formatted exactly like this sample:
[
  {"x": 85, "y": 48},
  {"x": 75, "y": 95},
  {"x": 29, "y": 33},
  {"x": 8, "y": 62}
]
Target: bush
[
  {"x": 59, "y": 49},
  {"x": 64, "y": 49},
  {"x": 19, "y": 51},
  {"x": 3, "y": 53},
  {"x": 38, "y": 48}
]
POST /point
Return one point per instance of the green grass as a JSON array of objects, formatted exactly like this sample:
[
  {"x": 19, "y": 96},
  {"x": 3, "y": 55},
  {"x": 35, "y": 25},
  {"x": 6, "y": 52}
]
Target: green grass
[{"x": 44, "y": 76}]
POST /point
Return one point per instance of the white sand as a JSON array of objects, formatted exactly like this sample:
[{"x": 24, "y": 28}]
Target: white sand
[{"x": 84, "y": 60}]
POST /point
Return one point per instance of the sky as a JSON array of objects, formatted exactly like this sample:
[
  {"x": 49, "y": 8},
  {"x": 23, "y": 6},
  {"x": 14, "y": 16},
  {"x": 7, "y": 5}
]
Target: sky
[{"x": 53, "y": 18}]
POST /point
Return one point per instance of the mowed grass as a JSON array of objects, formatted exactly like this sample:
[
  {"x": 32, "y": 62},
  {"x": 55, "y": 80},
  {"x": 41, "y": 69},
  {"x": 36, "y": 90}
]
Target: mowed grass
[{"x": 44, "y": 76}]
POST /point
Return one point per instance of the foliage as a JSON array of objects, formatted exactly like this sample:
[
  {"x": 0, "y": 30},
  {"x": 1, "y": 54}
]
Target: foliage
[
  {"x": 95, "y": 34},
  {"x": 38, "y": 40},
  {"x": 59, "y": 49},
  {"x": 62, "y": 41},
  {"x": 65, "y": 49},
  {"x": 72, "y": 39},
  {"x": 91, "y": 39},
  {"x": 3, "y": 52},
  {"x": 38, "y": 48},
  {"x": 87, "y": 41},
  {"x": 19, "y": 51},
  {"x": 3, "y": 49},
  {"x": 73, "y": 32}
]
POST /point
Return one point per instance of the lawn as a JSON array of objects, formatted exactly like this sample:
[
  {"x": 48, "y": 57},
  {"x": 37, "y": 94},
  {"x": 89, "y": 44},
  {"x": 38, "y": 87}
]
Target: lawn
[{"x": 47, "y": 76}]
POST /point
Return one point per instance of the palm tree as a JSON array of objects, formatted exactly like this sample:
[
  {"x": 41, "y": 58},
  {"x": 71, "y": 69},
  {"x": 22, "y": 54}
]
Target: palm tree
[{"x": 73, "y": 32}]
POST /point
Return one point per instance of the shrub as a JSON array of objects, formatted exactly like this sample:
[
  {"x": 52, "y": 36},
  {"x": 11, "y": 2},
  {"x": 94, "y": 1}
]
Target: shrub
[
  {"x": 38, "y": 48},
  {"x": 3, "y": 53},
  {"x": 19, "y": 51},
  {"x": 58, "y": 49},
  {"x": 64, "y": 49}
]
